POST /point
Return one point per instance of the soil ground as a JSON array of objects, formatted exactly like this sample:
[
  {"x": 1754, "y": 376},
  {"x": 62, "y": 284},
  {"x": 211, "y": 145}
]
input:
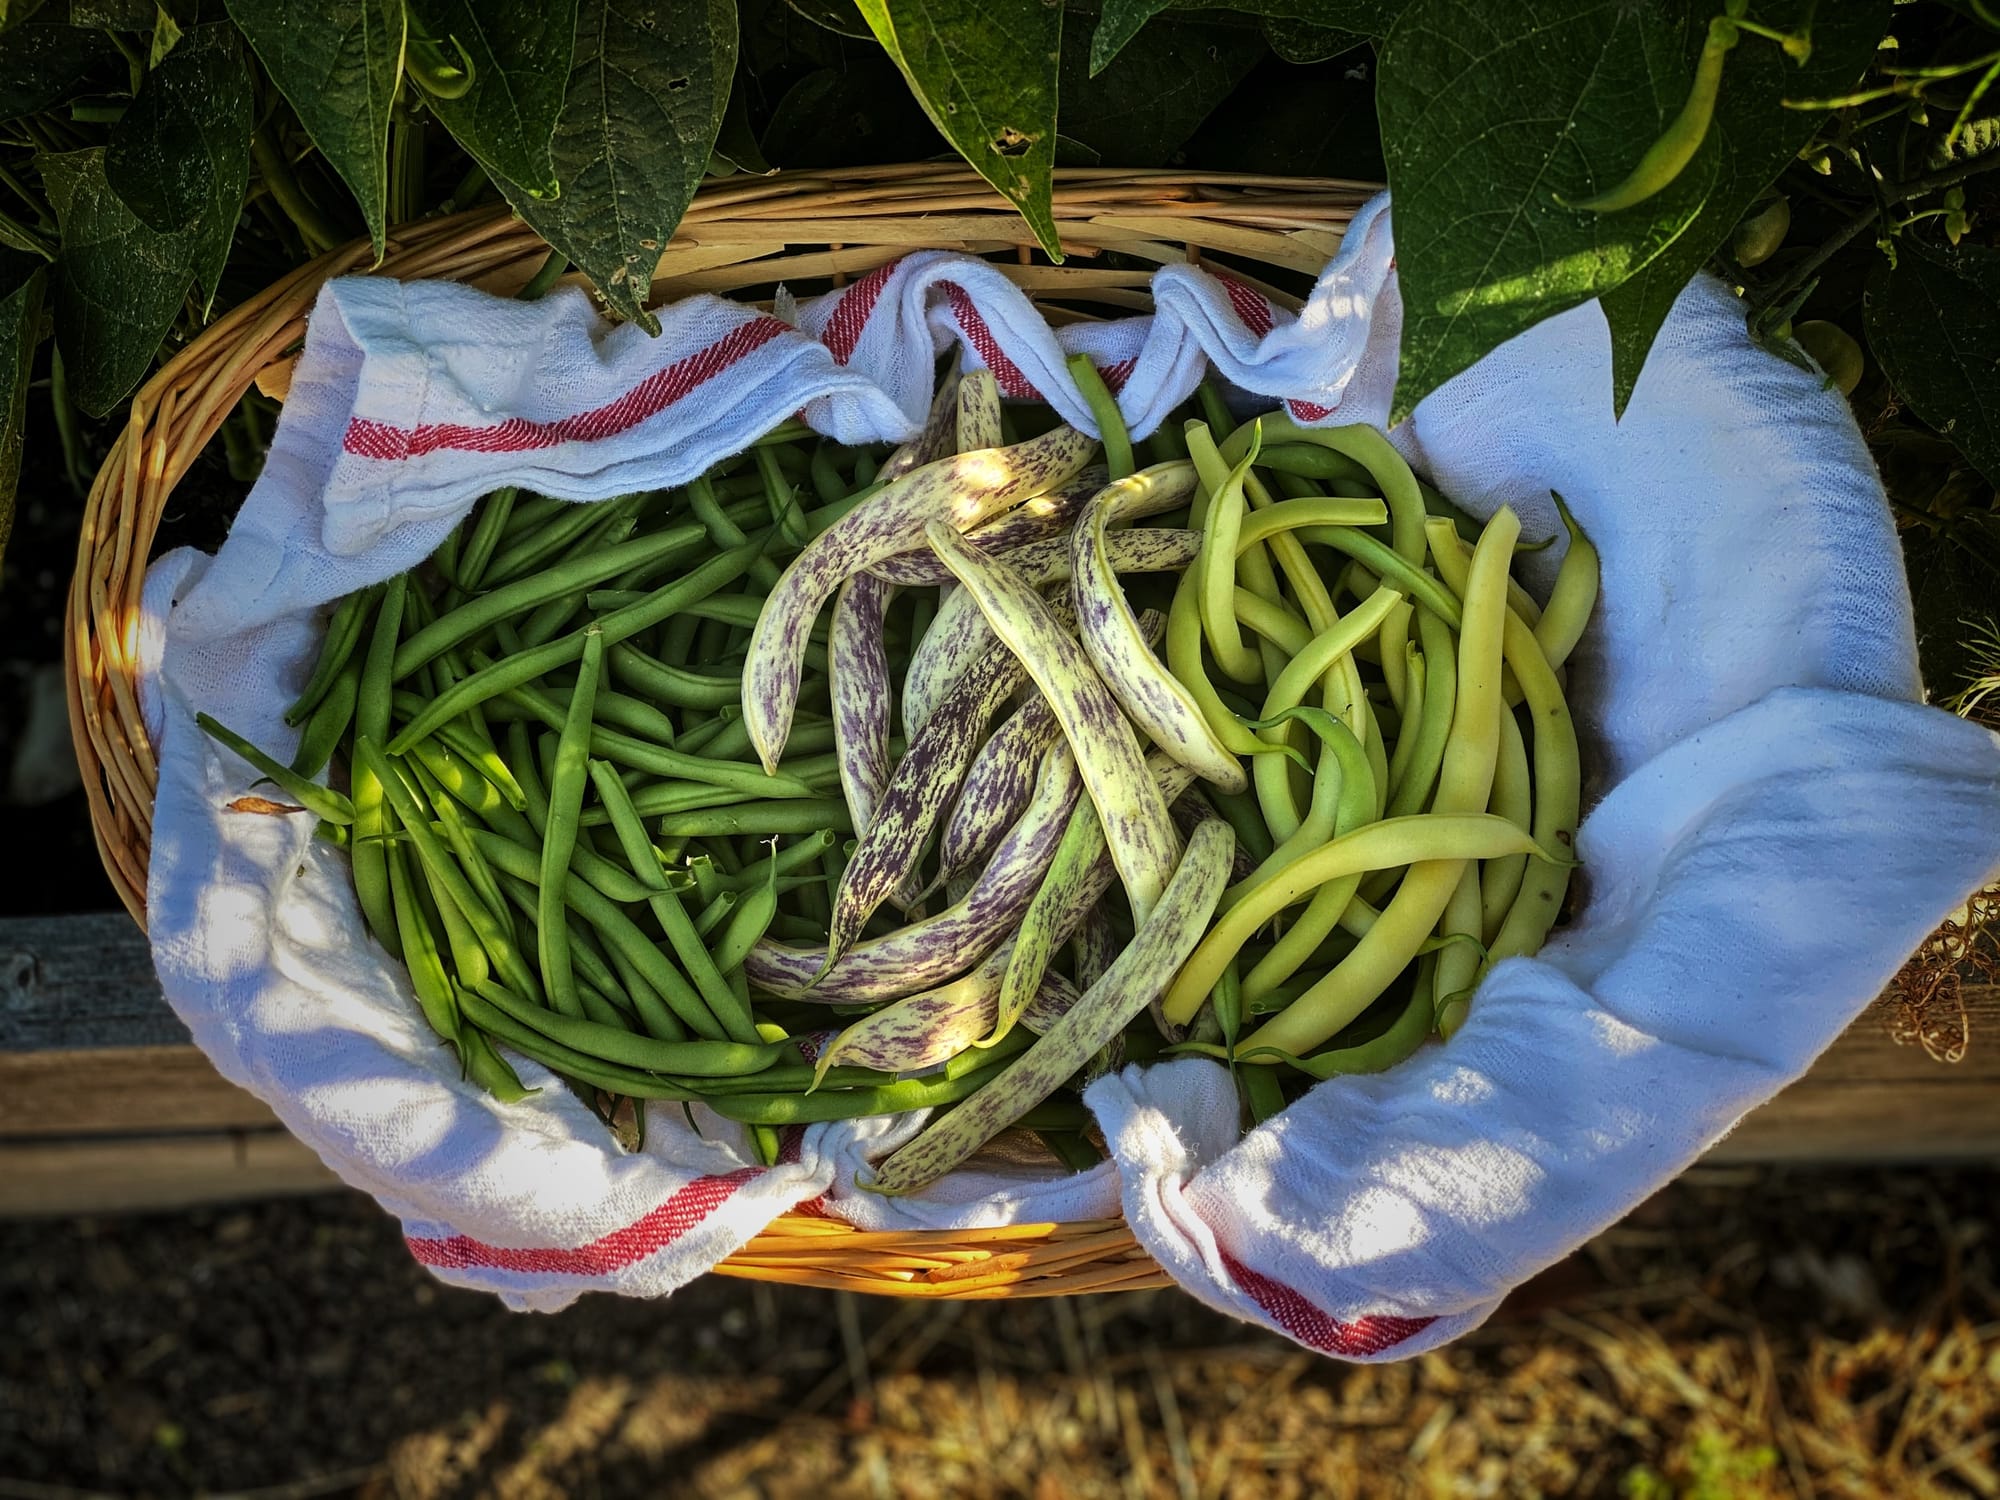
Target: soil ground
[{"x": 1746, "y": 1333}]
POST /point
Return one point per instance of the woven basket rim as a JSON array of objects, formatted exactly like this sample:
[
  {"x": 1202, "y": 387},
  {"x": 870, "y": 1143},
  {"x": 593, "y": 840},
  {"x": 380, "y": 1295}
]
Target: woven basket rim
[{"x": 738, "y": 232}]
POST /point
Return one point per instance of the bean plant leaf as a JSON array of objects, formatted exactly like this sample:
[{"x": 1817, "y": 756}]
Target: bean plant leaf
[
  {"x": 22, "y": 278},
  {"x": 337, "y": 62},
  {"x": 180, "y": 158},
  {"x": 1300, "y": 42},
  {"x": 1140, "y": 110},
  {"x": 1490, "y": 113},
  {"x": 986, "y": 73},
  {"x": 120, "y": 285},
  {"x": 14, "y": 12},
  {"x": 1933, "y": 321},
  {"x": 841, "y": 16},
  {"x": 858, "y": 115},
  {"x": 43, "y": 64},
  {"x": 648, "y": 82},
  {"x": 520, "y": 54},
  {"x": 1756, "y": 137}
]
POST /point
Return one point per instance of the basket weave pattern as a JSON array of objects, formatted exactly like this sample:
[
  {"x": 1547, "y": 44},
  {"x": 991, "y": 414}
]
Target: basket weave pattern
[{"x": 741, "y": 236}]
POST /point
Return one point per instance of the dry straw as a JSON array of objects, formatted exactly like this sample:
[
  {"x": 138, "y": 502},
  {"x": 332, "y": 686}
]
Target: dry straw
[{"x": 741, "y": 236}]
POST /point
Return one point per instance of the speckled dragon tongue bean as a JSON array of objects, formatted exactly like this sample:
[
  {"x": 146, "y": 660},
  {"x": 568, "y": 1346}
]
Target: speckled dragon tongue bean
[
  {"x": 955, "y": 493},
  {"x": 923, "y": 1030},
  {"x": 1148, "y": 692},
  {"x": 863, "y": 699},
  {"x": 978, "y": 416},
  {"x": 940, "y": 431},
  {"x": 919, "y": 790},
  {"x": 1165, "y": 937},
  {"x": 1143, "y": 843},
  {"x": 997, "y": 786},
  {"x": 960, "y": 633},
  {"x": 934, "y": 950}
]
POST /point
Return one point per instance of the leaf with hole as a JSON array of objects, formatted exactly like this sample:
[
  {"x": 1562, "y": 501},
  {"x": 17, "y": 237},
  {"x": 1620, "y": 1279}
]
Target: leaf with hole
[
  {"x": 986, "y": 73},
  {"x": 520, "y": 55},
  {"x": 180, "y": 158},
  {"x": 648, "y": 81},
  {"x": 338, "y": 64}
]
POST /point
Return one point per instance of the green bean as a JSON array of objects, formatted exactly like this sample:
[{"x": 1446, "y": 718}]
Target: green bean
[
  {"x": 1239, "y": 811},
  {"x": 724, "y": 531},
  {"x": 459, "y": 737},
  {"x": 571, "y": 1064},
  {"x": 559, "y": 836},
  {"x": 594, "y": 969},
  {"x": 1387, "y": 565},
  {"x": 371, "y": 721},
  {"x": 783, "y": 501},
  {"x": 1310, "y": 461},
  {"x": 1263, "y": 1093},
  {"x": 849, "y": 1104},
  {"x": 530, "y": 515},
  {"x": 323, "y": 802},
  {"x": 328, "y": 724},
  {"x": 1367, "y": 446},
  {"x": 716, "y": 912},
  {"x": 679, "y": 686},
  {"x": 633, "y": 715},
  {"x": 808, "y": 850},
  {"x": 1378, "y": 1054},
  {"x": 750, "y": 921},
  {"x": 664, "y": 797},
  {"x": 801, "y": 816},
  {"x": 475, "y": 617},
  {"x": 549, "y": 542},
  {"x": 827, "y": 483},
  {"x": 487, "y": 1068},
  {"x": 609, "y": 744},
  {"x": 1104, "y": 412},
  {"x": 1513, "y": 799},
  {"x": 478, "y": 550},
  {"x": 420, "y": 952},
  {"x": 343, "y": 635},
  {"x": 695, "y": 1059},
  {"x": 525, "y": 666},
  {"x": 1434, "y": 727},
  {"x": 1664, "y": 160},
  {"x": 439, "y": 865},
  {"x": 477, "y": 872},
  {"x": 617, "y": 930},
  {"x": 469, "y": 961},
  {"x": 666, "y": 907}
]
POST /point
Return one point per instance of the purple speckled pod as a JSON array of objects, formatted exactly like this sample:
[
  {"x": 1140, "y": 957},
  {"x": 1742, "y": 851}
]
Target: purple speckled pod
[
  {"x": 863, "y": 706},
  {"x": 978, "y": 413},
  {"x": 1143, "y": 843},
  {"x": 923, "y": 1030},
  {"x": 959, "y": 633},
  {"x": 997, "y": 786},
  {"x": 1035, "y": 520},
  {"x": 930, "y": 772},
  {"x": 954, "y": 493},
  {"x": 1165, "y": 937},
  {"x": 940, "y": 431},
  {"x": 932, "y": 951}
]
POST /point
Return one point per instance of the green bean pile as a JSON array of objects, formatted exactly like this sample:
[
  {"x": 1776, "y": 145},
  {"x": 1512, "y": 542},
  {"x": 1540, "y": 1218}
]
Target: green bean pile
[{"x": 624, "y": 801}]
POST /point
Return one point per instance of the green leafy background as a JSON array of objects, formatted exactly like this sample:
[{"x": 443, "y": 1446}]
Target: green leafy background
[{"x": 160, "y": 161}]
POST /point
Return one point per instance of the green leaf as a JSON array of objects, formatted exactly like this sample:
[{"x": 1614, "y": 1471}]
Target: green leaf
[
  {"x": 1142, "y": 109},
  {"x": 1488, "y": 113},
  {"x": 648, "y": 82},
  {"x": 736, "y": 143},
  {"x": 986, "y": 73},
  {"x": 180, "y": 159},
  {"x": 520, "y": 52},
  {"x": 1117, "y": 25},
  {"x": 840, "y": 16},
  {"x": 1933, "y": 322},
  {"x": 1312, "y": 121},
  {"x": 337, "y": 62},
  {"x": 23, "y": 278},
  {"x": 1756, "y": 139},
  {"x": 859, "y": 115},
  {"x": 1951, "y": 593},
  {"x": 120, "y": 285},
  {"x": 1299, "y": 42},
  {"x": 45, "y": 64},
  {"x": 14, "y": 12}
]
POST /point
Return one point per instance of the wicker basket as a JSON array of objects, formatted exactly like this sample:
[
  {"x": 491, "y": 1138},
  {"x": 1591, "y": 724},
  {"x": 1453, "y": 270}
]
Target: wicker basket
[{"x": 740, "y": 236}]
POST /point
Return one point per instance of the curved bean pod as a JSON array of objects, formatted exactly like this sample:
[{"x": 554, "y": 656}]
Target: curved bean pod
[
  {"x": 954, "y": 493},
  {"x": 863, "y": 698}
]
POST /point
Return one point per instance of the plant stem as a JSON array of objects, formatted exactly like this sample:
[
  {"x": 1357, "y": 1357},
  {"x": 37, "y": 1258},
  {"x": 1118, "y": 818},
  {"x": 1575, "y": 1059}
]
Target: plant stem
[
  {"x": 1890, "y": 195},
  {"x": 286, "y": 193}
]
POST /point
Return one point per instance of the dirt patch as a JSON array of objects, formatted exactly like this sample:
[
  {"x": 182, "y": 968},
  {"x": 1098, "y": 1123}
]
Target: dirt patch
[{"x": 1746, "y": 1333}]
